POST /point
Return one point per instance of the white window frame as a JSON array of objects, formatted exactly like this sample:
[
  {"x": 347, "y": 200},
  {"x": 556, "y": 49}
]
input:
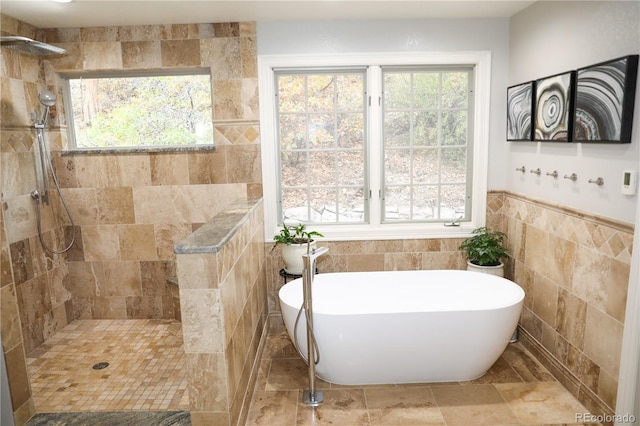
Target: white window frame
[
  {"x": 387, "y": 149},
  {"x": 65, "y": 79},
  {"x": 365, "y": 148},
  {"x": 376, "y": 229}
]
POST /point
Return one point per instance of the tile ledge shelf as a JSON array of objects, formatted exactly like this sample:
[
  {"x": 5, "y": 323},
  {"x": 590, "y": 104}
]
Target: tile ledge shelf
[
  {"x": 215, "y": 234},
  {"x": 139, "y": 150}
]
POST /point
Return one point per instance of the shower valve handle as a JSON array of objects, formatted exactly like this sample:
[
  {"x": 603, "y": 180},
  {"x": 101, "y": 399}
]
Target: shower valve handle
[{"x": 35, "y": 194}]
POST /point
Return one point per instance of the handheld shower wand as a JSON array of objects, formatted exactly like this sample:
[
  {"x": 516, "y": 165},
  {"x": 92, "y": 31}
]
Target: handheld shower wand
[
  {"x": 47, "y": 99},
  {"x": 43, "y": 166}
]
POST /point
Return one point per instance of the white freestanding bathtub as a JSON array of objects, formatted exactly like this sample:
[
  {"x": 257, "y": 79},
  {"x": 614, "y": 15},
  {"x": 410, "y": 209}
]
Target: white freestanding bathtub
[{"x": 405, "y": 326}]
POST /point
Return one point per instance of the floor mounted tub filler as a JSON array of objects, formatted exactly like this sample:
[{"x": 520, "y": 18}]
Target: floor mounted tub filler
[{"x": 404, "y": 326}]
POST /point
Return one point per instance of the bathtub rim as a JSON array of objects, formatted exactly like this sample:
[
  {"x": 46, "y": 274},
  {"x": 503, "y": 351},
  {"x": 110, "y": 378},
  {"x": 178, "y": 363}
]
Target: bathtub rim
[{"x": 284, "y": 293}]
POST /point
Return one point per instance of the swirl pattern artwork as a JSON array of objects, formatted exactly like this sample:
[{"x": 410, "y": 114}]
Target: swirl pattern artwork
[
  {"x": 519, "y": 112},
  {"x": 554, "y": 108},
  {"x": 604, "y": 101}
]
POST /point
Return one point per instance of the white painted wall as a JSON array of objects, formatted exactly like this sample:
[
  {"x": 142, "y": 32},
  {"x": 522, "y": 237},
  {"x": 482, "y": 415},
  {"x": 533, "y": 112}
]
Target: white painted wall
[
  {"x": 344, "y": 36},
  {"x": 552, "y": 37}
]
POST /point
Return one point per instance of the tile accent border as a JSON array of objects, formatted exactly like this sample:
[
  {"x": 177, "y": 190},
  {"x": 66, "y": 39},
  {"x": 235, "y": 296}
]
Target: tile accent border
[
  {"x": 616, "y": 224},
  {"x": 574, "y": 268},
  {"x": 572, "y": 383}
]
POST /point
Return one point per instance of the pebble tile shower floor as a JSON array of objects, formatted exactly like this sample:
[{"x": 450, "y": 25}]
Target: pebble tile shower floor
[
  {"x": 517, "y": 390},
  {"x": 145, "y": 371}
]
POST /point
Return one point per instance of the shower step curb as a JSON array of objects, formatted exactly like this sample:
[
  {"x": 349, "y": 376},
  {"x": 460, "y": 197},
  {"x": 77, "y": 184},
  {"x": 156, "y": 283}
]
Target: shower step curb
[{"x": 113, "y": 418}]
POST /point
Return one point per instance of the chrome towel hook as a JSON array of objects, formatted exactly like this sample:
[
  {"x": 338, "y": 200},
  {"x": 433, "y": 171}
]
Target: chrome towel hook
[
  {"x": 572, "y": 176},
  {"x": 554, "y": 174},
  {"x": 520, "y": 169},
  {"x": 599, "y": 181},
  {"x": 536, "y": 171}
]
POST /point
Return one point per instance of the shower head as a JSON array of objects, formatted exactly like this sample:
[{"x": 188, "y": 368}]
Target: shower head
[
  {"x": 47, "y": 98},
  {"x": 32, "y": 47}
]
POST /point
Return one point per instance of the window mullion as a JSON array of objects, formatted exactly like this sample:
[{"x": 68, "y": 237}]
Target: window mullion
[
  {"x": 412, "y": 135},
  {"x": 307, "y": 153},
  {"x": 336, "y": 167},
  {"x": 375, "y": 166},
  {"x": 440, "y": 136}
]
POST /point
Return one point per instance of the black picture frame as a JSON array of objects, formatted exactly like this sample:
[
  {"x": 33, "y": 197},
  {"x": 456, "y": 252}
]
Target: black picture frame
[
  {"x": 605, "y": 98},
  {"x": 520, "y": 107},
  {"x": 554, "y": 108}
]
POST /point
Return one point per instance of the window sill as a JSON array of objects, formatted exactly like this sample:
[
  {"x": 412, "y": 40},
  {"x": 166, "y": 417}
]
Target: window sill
[
  {"x": 139, "y": 150},
  {"x": 388, "y": 232}
]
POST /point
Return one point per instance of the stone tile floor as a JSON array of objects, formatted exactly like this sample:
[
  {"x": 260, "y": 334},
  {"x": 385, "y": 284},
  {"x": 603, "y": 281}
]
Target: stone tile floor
[
  {"x": 145, "y": 372},
  {"x": 517, "y": 390}
]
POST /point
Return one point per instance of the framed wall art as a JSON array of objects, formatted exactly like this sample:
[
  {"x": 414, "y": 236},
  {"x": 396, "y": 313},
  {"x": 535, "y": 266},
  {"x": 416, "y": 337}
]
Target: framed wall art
[
  {"x": 520, "y": 105},
  {"x": 553, "y": 118},
  {"x": 605, "y": 95}
]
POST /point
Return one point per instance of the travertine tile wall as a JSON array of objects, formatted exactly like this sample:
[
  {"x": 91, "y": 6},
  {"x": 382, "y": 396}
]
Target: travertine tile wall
[
  {"x": 224, "y": 309},
  {"x": 12, "y": 340},
  {"x": 129, "y": 209},
  {"x": 132, "y": 208},
  {"x": 574, "y": 268},
  {"x": 34, "y": 303}
]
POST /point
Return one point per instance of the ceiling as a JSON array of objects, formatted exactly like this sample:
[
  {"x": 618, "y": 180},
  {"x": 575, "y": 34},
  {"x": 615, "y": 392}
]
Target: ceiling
[{"x": 97, "y": 13}]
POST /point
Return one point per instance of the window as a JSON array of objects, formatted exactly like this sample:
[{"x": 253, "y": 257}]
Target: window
[
  {"x": 375, "y": 146},
  {"x": 321, "y": 144},
  {"x": 125, "y": 110},
  {"x": 427, "y": 140}
]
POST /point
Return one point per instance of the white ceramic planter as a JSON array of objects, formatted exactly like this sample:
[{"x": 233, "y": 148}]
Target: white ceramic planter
[
  {"x": 292, "y": 256},
  {"x": 492, "y": 270}
]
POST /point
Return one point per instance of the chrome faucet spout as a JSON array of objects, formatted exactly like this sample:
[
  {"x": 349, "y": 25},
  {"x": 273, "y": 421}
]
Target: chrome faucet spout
[{"x": 314, "y": 254}]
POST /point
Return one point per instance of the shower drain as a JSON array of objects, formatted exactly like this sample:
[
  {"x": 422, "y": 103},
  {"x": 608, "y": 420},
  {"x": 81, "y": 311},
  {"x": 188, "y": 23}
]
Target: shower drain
[{"x": 100, "y": 365}]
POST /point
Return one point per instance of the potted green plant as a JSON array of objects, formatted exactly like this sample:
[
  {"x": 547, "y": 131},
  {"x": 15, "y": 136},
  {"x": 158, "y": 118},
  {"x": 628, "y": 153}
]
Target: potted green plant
[
  {"x": 295, "y": 241},
  {"x": 485, "y": 251}
]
